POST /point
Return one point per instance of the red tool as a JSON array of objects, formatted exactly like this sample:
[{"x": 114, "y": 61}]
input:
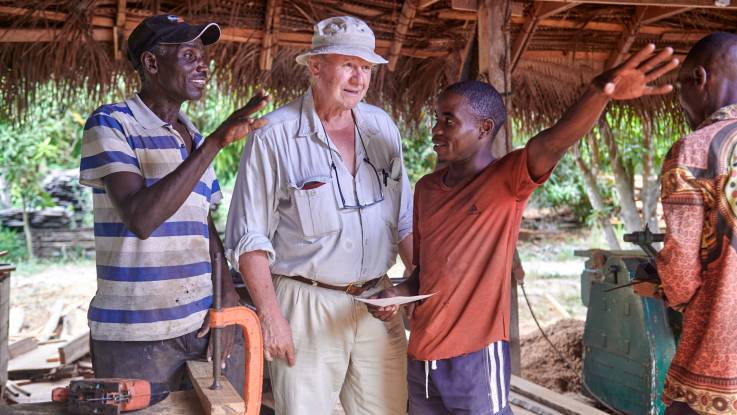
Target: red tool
[
  {"x": 109, "y": 396},
  {"x": 249, "y": 323}
]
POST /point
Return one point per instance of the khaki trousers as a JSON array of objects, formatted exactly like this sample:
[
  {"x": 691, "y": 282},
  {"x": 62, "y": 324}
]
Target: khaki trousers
[{"x": 341, "y": 352}]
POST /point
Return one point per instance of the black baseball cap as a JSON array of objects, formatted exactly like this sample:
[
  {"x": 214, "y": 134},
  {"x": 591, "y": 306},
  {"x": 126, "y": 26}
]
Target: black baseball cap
[{"x": 167, "y": 29}]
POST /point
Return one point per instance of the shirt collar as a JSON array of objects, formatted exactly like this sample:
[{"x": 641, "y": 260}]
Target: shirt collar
[
  {"x": 728, "y": 112},
  {"x": 311, "y": 126},
  {"x": 149, "y": 120}
]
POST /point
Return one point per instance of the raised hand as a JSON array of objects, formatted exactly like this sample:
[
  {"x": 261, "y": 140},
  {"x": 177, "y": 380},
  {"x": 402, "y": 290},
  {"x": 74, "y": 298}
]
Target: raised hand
[
  {"x": 240, "y": 122},
  {"x": 633, "y": 77}
]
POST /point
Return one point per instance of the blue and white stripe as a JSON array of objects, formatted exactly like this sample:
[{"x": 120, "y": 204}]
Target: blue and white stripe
[
  {"x": 499, "y": 374},
  {"x": 158, "y": 288}
]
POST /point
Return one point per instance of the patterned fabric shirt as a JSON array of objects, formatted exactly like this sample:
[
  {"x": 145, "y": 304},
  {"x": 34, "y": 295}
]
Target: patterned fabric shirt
[
  {"x": 698, "y": 264},
  {"x": 158, "y": 288}
]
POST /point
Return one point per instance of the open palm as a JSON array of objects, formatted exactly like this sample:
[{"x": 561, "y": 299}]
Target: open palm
[{"x": 633, "y": 77}]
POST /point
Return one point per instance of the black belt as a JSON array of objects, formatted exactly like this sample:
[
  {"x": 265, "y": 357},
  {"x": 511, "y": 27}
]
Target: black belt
[{"x": 351, "y": 289}]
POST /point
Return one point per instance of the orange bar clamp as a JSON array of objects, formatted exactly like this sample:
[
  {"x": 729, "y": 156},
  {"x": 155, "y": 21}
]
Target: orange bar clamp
[{"x": 254, "y": 348}]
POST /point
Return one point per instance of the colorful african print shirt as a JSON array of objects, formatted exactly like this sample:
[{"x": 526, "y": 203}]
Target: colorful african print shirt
[{"x": 698, "y": 264}]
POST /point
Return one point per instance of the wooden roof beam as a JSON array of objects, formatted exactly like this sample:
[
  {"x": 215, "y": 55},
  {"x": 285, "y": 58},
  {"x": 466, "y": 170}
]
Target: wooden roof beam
[
  {"x": 656, "y": 13},
  {"x": 594, "y": 56},
  {"x": 423, "y": 4},
  {"x": 409, "y": 10},
  {"x": 52, "y": 16},
  {"x": 708, "y": 4},
  {"x": 540, "y": 10},
  {"x": 270, "y": 39},
  {"x": 119, "y": 29},
  {"x": 627, "y": 39}
]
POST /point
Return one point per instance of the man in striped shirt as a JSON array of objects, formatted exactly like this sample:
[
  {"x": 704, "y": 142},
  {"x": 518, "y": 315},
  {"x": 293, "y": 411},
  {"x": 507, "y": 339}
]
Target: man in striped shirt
[{"x": 153, "y": 185}]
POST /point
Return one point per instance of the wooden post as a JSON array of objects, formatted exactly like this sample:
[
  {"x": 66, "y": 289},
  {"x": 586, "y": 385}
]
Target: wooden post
[
  {"x": 409, "y": 9},
  {"x": 271, "y": 31},
  {"x": 494, "y": 65},
  {"x": 119, "y": 29},
  {"x": 5, "y": 270}
]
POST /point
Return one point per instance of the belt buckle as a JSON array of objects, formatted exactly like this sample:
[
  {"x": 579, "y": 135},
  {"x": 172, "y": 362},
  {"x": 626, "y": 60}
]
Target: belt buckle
[{"x": 353, "y": 289}]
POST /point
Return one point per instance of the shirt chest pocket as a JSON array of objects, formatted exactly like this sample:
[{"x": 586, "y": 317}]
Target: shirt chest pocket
[{"x": 316, "y": 208}]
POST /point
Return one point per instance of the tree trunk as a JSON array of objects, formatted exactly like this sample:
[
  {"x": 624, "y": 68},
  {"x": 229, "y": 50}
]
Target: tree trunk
[
  {"x": 597, "y": 202},
  {"x": 27, "y": 228},
  {"x": 4, "y": 192},
  {"x": 623, "y": 182},
  {"x": 650, "y": 183}
]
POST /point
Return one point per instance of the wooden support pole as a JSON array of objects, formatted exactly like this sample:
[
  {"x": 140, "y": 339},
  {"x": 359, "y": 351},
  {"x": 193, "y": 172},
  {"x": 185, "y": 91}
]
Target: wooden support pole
[
  {"x": 409, "y": 9},
  {"x": 119, "y": 29},
  {"x": 270, "y": 39},
  {"x": 627, "y": 39},
  {"x": 656, "y": 13},
  {"x": 494, "y": 65}
]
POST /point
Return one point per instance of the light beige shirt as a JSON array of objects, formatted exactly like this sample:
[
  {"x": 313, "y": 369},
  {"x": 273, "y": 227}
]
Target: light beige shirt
[{"x": 287, "y": 199}]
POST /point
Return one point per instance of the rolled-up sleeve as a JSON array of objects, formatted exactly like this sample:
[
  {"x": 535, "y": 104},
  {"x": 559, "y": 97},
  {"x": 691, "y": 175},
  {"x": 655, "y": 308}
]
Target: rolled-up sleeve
[{"x": 253, "y": 216}]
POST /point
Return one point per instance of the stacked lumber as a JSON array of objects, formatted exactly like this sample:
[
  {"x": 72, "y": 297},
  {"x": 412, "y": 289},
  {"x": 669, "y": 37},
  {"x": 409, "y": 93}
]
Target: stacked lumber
[{"x": 58, "y": 350}]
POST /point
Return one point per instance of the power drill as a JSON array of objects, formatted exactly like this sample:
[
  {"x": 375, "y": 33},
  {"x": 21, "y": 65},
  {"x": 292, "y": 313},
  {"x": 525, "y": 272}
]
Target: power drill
[{"x": 109, "y": 396}]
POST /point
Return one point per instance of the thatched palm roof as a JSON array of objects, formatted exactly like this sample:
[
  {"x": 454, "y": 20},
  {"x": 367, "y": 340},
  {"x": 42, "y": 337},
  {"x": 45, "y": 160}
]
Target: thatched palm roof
[{"x": 555, "y": 47}]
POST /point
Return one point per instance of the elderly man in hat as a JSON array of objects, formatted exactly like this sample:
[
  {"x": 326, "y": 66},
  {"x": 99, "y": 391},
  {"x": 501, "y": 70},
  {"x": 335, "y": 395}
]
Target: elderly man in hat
[
  {"x": 153, "y": 185},
  {"x": 321, "y": 205}
]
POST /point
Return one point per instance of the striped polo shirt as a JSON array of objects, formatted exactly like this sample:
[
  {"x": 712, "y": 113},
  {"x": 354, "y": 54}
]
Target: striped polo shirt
[{"x": 158, "y": 288}]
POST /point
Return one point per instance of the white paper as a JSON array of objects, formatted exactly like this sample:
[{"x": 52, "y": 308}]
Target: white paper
[{"x": 383, "y": 302}]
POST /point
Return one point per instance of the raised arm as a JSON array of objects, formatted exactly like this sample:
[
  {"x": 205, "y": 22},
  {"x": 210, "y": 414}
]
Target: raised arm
[
  {"x": 143, "y": 209},
  {"x": 629, "y": 80}
]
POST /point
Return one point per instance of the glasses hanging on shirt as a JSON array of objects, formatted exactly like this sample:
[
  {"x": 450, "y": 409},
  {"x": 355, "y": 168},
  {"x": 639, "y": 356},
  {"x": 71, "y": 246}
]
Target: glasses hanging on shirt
[{"x": 377, "y": 191}]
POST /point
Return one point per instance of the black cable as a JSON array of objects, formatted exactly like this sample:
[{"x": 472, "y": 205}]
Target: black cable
[{"x": 529, "y": 306}]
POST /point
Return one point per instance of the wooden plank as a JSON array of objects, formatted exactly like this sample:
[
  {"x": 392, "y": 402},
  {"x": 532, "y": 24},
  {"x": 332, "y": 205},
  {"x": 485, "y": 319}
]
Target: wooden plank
[
  {"x": 4, "y": 328},
  {"x": 561, "y": 403},
  {"x": 214, "y": 402},
  {"x": 525, "y": 405},
  {"x": 22, "y": 346},
  {"x": 46, "y": 35},
  {"x": 51, "y": 16},
  {"x": 53, "y": 320},
  {"x": 409, "y": 9},
  {"x": 75, "y": 349},
  {"x": 540, "y": 10},
  {"x": 426, "y": 3},
  {"x": 466, "y": 5},
  {"x": 35, "y": 360}
]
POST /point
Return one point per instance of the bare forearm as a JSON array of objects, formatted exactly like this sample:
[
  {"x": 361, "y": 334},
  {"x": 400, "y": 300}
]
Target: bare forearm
[
  {"x": 410, "y": 286},
  {"x": 405, "y": 252},
  {"x": 254, "y": 268},
  {"x": 144, "y": 209},
  {"x": 548, "y": 147},
  {"x": 230, "y": 296}
]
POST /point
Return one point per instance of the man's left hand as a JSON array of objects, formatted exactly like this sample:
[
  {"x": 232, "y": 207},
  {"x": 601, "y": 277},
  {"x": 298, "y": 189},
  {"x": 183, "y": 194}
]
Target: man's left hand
[
  {"x": 631, "y": 79},
  {"x": 227, "y": 334}
]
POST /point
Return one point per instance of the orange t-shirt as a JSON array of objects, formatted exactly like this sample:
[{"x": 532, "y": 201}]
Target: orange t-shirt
[{"x": 464, "y": 239}]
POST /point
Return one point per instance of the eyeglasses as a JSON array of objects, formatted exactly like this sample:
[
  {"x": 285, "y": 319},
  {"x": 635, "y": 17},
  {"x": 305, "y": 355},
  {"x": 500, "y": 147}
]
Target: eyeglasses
[{"x": 365, "y": 161}]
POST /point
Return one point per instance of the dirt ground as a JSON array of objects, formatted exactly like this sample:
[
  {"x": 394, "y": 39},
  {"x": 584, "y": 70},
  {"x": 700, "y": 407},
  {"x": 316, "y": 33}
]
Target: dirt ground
[{"x": 543, "y": 365}]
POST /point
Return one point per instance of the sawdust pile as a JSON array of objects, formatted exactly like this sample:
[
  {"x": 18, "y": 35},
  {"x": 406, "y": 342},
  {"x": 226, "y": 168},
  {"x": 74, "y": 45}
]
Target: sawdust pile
[{"x": 542, "y": 365}]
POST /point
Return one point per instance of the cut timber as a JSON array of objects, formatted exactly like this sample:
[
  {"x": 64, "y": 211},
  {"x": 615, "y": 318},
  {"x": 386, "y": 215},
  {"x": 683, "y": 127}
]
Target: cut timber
[
  {"x": 557, "y": 306},
  {"x": 214, "y": 402},
  {"x": 530, "y": 406},
  {"x": 75, "y": 349},
  {"x": 53, "y": 321},
  {"x": 15, "y": 320},
  {"x": 22, "y": 346},
  {"x": 556, "y": 401}
]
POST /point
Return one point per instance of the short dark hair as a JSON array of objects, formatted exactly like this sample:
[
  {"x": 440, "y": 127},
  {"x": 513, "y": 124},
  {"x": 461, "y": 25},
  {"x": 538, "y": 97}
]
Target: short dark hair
[
  {"x": 483, "y": 99},
  {"x": 711, "y": 47}
]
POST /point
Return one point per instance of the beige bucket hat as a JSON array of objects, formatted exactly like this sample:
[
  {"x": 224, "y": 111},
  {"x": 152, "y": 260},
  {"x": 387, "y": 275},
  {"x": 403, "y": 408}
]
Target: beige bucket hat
[{"x": 343, "y": 35}]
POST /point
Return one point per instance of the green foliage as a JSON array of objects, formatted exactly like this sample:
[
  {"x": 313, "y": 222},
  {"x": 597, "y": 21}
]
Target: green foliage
[
  {"x": 419, "y": 157},
  {"x": 9, "y": 242},
  {"x": 563, "y": 189}
]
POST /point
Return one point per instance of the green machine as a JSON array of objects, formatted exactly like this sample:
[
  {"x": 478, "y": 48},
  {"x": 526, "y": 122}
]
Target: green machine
[{"x": 628, "y": 340}]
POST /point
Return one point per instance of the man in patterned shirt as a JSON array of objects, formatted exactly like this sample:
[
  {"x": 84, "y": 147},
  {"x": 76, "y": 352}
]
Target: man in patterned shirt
[
  {"x": 698, "y": 264},
  {"x": 153, "y": 185}
]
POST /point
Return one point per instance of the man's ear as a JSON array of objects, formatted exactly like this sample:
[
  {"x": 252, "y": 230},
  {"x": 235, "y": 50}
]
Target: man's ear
[
  {"x": 699, "y": 76},
  {"x": 487, "y": 127},
  {"x": 149, "y": 62},
  {"x": 313, "y": 65}
]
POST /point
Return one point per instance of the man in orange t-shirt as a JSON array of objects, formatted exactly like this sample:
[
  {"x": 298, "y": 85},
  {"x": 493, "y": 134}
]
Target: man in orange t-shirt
[{"x": 466, "y": 224}]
